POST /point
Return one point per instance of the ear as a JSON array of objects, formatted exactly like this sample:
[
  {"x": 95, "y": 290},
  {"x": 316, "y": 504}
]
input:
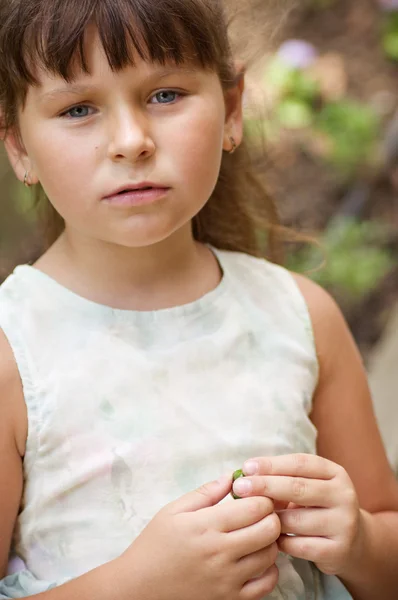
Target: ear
[
  {"x": 234, "y": 110},
  {"x": 18, "y": 156}
]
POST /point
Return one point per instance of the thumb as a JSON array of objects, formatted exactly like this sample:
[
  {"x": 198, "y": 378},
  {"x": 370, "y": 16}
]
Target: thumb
[{"x": 205, "y": 496}]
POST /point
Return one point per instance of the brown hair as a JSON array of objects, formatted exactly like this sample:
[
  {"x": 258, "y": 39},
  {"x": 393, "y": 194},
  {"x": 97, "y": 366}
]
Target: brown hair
[{"x": 239, "y": 215}]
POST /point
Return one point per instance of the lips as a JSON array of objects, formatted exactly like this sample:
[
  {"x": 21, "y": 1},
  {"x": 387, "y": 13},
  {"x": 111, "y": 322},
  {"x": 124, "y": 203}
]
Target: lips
[
  {"x": 136, "y": 196},
  {"x": 140, "y": 187},
  {"x": 127, "y": 190}
]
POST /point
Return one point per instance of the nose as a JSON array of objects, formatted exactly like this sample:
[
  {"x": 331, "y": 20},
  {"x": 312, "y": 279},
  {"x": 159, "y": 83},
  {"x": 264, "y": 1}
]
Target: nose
[{"x": 130, "y": 138}]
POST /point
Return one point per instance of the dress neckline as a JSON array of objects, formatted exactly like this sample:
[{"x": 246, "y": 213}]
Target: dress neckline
[{"x": 205, "y": 303}]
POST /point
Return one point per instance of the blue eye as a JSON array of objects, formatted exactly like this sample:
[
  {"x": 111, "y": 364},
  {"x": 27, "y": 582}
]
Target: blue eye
[
  {"x": 77, "y": 112},
  {"x": 165, "y": 97}
]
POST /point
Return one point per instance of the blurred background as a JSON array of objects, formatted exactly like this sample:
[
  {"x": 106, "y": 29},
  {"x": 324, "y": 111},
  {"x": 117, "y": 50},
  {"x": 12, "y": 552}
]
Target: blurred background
[{"x": 326, "y": 102}]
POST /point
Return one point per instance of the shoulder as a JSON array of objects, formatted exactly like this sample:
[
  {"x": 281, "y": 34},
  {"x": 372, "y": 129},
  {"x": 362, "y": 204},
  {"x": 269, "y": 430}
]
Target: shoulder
[
  {"x": 262, "y": 275},
  {"x": 327, "y": 319},
  {"x": 13, "y": 415},
  {"x": 271, "y": 290},
  {"x": 319, "y": 301},
  {"x": 333, "y": 339}
]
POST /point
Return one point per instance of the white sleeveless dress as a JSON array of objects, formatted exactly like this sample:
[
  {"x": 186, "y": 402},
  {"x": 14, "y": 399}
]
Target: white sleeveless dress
[{"x": 130, "y": 410}]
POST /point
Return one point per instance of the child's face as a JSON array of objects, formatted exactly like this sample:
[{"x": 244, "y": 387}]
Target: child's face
[{"x": 104, "y": 131}]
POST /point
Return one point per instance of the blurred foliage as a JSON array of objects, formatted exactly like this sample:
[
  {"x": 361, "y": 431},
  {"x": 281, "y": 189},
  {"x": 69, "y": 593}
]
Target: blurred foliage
[
  {"x": 353, "y": 130},
  {"x": 343, "y": 132},
  {"x": 390, "y": 35},
  {"x": 350, "y": 259},
  {"x": 290, "y": 82},
  {"x": 309, "y": 102},
  {"x": 296, "y": 94}
]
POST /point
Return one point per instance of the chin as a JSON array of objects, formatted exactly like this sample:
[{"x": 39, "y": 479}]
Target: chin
[
  {"x": 144, "y": 236},
  {"x": 140, "y": 240}
]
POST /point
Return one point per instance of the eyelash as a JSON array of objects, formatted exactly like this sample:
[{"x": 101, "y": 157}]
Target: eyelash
[{"x": 177, "y": 93}]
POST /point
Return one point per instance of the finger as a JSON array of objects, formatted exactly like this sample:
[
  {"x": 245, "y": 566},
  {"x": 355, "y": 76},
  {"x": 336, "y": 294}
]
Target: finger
[
  {"x": 261, "y": 586},
  {"x": 295, "y": 465},
  {"x": 300, "y": 490},
  {"x": 207, "y": 495},
  {"x": 282, "y": 505},
  {"x": 245, "y": 542},
  {"x": 258, "y": 563},
  {"x": 313, "y": 549},
  {"x": 307, "y": 521},
  {"x": 238, "y": 514}
]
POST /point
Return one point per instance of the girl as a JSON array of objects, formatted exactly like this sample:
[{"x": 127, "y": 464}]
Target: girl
[{"x": 151, "y": 349}]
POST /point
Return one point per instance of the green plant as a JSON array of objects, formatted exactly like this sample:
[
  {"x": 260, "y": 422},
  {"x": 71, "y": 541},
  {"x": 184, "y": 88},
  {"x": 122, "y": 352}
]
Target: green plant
[
  {"x": 344, "y": 133},
  {"x": 352, "y": 130},
  {"x": 291, "y": 82},
  {"x": 296, "y": 93},
  {"x": 352, "y": 261},
  {"x": 390, "y": 35}
]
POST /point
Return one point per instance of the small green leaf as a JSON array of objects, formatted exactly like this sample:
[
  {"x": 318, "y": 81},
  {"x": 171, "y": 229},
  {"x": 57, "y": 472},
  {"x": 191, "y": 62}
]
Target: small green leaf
[{"x": 237, "y": 475}]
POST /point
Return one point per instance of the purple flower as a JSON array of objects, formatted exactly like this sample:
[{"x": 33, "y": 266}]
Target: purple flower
[{"x": 298, "y": 54}]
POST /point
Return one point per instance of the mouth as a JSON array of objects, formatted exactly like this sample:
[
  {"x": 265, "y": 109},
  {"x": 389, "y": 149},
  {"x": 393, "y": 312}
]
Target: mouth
[
  {"x": 136, "y": 195},
  {"x": 141, "y": 187}
]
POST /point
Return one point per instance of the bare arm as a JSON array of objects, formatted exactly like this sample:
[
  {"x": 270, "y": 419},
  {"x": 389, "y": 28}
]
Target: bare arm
[
  {"x": 11, "y": 448},
  {"x": 348, "y": 435}
]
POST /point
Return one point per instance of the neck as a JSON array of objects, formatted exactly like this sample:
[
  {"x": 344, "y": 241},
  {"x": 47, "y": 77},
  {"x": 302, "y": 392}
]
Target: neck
[{"x": 175, "y": 271}]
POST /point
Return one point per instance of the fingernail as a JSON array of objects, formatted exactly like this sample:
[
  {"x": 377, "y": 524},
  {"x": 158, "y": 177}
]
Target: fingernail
[
  {"x": 242, "y": 486},
  {"x": 250, "y": 467}
]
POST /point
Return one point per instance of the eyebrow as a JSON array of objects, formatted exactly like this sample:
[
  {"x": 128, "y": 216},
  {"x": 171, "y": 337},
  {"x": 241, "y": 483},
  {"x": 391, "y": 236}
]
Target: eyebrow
[
  {"x": 80, "y": 90},
  {"x": 71, "y": 89}
]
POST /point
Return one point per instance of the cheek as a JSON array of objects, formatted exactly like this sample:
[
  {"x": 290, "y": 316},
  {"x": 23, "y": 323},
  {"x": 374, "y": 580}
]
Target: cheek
[
  {"x": 56, "y": 157},
  {"x": 199, "y": 146}
]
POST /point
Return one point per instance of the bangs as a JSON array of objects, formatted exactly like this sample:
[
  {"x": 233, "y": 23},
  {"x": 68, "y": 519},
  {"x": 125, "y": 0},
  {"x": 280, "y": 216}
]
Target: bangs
[{"x": 159, "y": 31}]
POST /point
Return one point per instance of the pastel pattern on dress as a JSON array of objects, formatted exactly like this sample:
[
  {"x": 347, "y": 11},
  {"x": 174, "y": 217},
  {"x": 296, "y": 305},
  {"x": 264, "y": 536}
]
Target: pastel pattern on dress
[{"x": 130, "y": 410}]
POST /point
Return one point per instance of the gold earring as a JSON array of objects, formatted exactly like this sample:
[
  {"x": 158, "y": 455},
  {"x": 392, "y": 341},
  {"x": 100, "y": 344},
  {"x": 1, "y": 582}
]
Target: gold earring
[
  {"x": 25, "y": 180},
  {"x": 233, "y": 145}
]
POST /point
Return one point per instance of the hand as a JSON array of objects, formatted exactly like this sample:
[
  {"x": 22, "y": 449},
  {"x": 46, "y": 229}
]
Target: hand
[
  {"x": 321, "y": 518},
  {"x": 196, "y": 548}
]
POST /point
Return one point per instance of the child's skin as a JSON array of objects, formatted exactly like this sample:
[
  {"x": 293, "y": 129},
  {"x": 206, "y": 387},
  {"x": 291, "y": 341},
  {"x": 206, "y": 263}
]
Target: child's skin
[{"x": 146, "y": 258}]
